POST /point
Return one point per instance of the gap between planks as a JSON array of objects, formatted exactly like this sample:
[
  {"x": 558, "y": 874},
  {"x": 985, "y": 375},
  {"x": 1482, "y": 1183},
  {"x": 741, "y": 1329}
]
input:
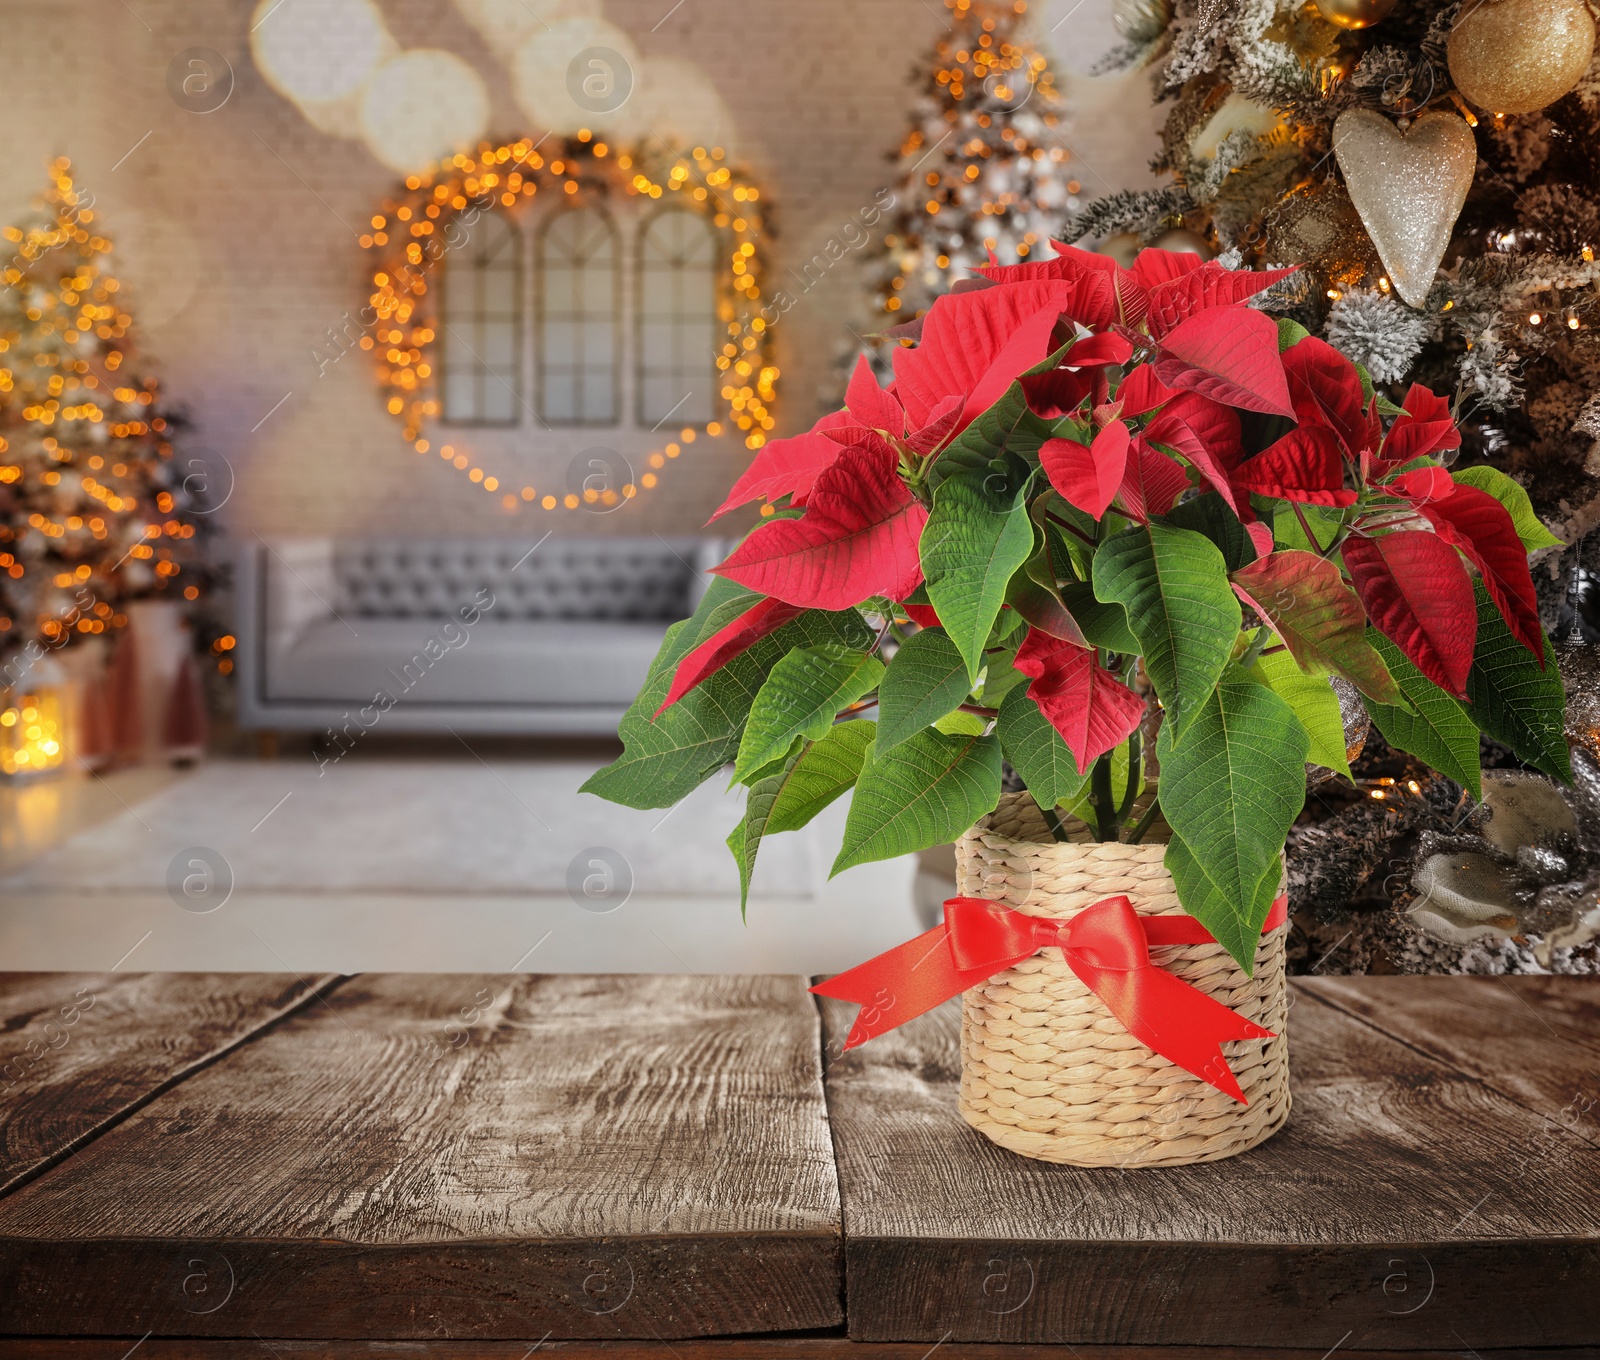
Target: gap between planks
[{"x": 317, "y": 990}]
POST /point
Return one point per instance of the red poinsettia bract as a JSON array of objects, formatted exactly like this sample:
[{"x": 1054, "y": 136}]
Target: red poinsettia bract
[
  {"x": 1085, "y": 702},
  {"x": 1143, "y": 406}
]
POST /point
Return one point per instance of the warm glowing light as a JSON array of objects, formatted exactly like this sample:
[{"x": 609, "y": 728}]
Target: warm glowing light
[
  {"x": 318, "y": 51},
  {"x": 539, "y": 65},
  {"x": 402, "y": 292},
  {"x": 419, "y": 105},
  {"x": 31, "y": 736},
  {"x": 59, "y": 383}
]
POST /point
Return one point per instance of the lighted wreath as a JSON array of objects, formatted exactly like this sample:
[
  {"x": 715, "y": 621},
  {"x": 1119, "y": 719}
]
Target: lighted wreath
[{"x": 413, "y": 234}]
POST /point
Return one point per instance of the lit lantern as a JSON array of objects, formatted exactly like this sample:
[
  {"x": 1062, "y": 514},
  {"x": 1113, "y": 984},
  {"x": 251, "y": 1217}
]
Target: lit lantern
[{"x": 32, "y": 740}]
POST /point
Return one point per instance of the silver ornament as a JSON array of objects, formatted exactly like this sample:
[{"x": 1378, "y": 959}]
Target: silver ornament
[{"x": 1408, "y": 188}]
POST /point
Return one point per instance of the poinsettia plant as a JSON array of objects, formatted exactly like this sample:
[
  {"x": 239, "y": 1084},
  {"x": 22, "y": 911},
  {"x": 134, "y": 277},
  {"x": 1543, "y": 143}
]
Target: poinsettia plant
[{"x": 1097, "y": 507}]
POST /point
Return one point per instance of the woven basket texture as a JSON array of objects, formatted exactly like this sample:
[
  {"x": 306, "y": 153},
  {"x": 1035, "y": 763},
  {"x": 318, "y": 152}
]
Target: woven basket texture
[{"x": 1047, "y": 1071}]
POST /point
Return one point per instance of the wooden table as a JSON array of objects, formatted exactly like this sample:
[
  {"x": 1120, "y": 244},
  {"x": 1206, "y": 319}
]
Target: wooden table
[{"x": 685, "y": 1167}]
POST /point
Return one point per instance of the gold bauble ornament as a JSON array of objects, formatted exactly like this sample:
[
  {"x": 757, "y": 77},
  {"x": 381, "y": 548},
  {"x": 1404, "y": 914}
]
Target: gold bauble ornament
[
  {"x": 1124, "y": 247},
  {"x": 1182, "y": 241},
  {"x": 1319, "y": 227},
  {"x": 1408, "y": 187},
  {"x": 1516, "y": 56},
  {"x": 1354, "y": 13},
  {"x": 1141, "y": 21}
]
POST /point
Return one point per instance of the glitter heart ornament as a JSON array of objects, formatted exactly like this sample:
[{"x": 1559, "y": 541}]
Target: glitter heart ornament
[{"x": 1408, "y": 187}]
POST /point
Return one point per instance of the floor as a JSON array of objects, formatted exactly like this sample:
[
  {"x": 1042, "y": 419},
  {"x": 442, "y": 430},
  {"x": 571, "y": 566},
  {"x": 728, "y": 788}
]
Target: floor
[{"x": 486, "y": 862}]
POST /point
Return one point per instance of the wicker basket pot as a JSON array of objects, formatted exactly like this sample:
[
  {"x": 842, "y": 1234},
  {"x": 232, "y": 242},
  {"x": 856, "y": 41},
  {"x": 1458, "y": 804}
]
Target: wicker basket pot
[{"x": 1048, "y": 1072}]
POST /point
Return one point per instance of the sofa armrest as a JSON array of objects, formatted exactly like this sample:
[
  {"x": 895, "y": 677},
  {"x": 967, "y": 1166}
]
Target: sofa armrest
[
  {"x": 280, "y": 589},
  {"x": 299, "y": 587}
]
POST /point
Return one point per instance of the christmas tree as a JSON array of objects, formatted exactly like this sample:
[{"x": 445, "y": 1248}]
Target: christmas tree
[
  {"x": 94, "y": 512},
  {"x": 1433, "y": 169},
  {"x": 981, "y": 170}
]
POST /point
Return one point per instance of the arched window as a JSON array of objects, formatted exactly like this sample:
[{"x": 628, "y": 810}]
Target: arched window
[
  {"x": 481, "y": 314},
  {"x": 579, "y": 344},
  {"x": 677, "y": 319}
]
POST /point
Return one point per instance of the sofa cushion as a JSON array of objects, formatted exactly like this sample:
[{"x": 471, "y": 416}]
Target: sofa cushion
[
  {"x": 528, "y": 578},
  {"x": 444, "y": 661}
]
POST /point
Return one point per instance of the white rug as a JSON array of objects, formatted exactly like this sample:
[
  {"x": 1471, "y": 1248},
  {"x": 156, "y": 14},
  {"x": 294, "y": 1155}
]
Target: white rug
[{"x": 436, "y": 827}]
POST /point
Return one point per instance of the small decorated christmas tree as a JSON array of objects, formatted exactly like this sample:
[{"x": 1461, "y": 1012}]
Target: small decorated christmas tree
[
  {"x": 982, "y": 170},
  {"x": 94, "y": 512}
]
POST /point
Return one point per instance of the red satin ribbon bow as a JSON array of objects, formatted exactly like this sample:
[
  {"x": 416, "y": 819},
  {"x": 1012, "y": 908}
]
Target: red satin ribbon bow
[{"x": 1107, "y": 945}]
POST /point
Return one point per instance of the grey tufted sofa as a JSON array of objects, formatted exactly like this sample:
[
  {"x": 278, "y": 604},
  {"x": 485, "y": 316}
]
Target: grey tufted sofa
[{"x": 506, "y": 635}]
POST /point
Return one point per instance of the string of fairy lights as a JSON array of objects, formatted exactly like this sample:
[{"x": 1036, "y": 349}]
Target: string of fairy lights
[{"x": 411, "y": 237}]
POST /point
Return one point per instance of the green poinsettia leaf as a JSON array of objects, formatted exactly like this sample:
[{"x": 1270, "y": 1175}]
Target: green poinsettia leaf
[
  {"x": 666, "y": 759},
  {"x": 924, "y": 792},
  {"x": 1231, "y": 790},
  {"x": 1006, "y": 430},
  {"x": 1234, "y": 922},
  {"x": 958, "y": 723},
  {"x": 1034, "y": 592},
  {"x": 745, "y": 839},
  {"x": 826, "y": 768},
  {"x": 1104, "y": 622},
  {"x": 1287, "y": 532},
  {"x": 1040, "y": 606},
  {"x": 1314, "y": 703},
  {"x": 926, "y": 679},
  {"x": 1290, "y": 333},
  {"x": 1512, "y": 699},
  {"x": 800, "y": 698},
  {"x": 977, "y": 535},
  {"x": 996, "y": 441},
  {"x": 1069, "y": 533},
  {"x": 1007, "y": 630},
  {"x": 1530, "y": 528},
  {"x": 1436, "y": 728},
  {"x": 771, "y": 767},
  {"x": 1001, "y": 676},
  {"x": 1037, "y": 752},
  {"x": 1174, "y": 584},
  {"x": 1209, "y": 516}
]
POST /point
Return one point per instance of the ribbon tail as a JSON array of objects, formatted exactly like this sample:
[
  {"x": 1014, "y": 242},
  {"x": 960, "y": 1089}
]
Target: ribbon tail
[
  {"x": 1178, "y": 1021},
  {"x": 897, "y": 985}
]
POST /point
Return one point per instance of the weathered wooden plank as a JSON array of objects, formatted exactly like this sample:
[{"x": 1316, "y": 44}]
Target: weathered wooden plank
[
  {"x": 79, "y": 1051},
  {"x": 1406, "y": 1205},
  {"x": 717, "y": 1348},
  {"x": 448, "y": 1156},
  {"x": 1535, "y": 1039}
]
